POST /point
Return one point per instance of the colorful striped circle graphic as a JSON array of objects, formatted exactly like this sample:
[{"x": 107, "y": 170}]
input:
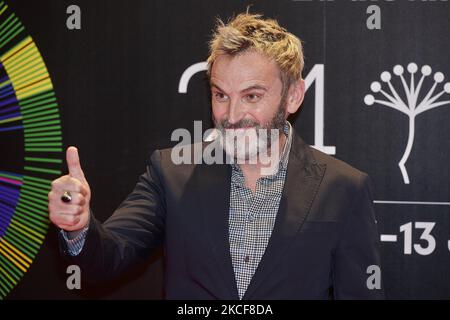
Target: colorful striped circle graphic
[{"x": 29, "y": 117}]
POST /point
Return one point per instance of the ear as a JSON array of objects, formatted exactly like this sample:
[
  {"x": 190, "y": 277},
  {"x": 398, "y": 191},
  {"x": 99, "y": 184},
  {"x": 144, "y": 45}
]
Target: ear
[{"x": 295, "y": 96}]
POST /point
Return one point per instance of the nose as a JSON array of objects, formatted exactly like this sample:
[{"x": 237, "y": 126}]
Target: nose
[{"x": 235, "y": 111}]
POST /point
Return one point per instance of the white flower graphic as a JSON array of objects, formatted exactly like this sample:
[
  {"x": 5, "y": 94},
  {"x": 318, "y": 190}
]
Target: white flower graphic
[{"x": 412, "y": 107}]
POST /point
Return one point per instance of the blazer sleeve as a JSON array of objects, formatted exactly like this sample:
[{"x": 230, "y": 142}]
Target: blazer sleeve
[
  {"x": 357, "y": 248},
  {"x": 130, "y": 235}
]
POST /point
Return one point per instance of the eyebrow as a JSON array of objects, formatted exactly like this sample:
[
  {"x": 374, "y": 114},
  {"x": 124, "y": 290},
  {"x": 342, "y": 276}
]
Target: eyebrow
[
  {"x": 252, "y": 87},
  {"x": 213, "y": 85},
  {"x": 255, "y": 87}
]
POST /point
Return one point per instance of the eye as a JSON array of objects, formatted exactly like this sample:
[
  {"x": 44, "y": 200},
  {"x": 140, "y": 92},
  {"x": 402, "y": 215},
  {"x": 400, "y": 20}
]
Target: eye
[
  {"x": 220, "y": 97},
  {"x": 252, "y": 97}
]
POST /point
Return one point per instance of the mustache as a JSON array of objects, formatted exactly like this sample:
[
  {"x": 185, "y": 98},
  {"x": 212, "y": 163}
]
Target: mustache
[{"x": 241, "y": 124}]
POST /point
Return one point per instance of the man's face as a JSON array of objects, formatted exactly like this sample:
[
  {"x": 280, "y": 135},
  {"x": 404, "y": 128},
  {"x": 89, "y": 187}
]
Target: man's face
[{"x": 246, "y": 94}]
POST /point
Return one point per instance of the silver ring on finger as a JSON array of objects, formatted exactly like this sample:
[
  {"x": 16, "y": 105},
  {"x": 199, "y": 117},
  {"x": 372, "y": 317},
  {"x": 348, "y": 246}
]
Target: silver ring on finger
[{"x": 66, "y": 197}]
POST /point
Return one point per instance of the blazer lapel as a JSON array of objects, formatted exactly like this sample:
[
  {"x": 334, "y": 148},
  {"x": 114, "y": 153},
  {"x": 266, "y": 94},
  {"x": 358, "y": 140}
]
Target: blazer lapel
[
  {"x": 303, "y": 179},
  {"x": 214, "y": 184}
]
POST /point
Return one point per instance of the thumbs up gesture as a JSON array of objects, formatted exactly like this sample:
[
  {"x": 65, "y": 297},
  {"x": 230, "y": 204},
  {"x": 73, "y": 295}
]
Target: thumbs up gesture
[{"x": 69, "y": 197}]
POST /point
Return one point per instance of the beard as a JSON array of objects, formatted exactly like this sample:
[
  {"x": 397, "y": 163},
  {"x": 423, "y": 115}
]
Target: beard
[{"x": 247, "y": 139}]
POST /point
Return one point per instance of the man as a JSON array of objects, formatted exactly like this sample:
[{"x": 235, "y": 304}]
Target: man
[{"x": 304, "y": 230}]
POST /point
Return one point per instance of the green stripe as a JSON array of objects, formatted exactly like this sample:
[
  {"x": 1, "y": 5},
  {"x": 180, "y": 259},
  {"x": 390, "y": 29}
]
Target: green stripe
[
  {"x": 13, "y": 270},
  {"x": 31, "y": 252},
  {"x": 8, "y": 272},
  {"x": 45, "y": 182},
  {"x": 16, "y": 271},
  {"x": 49, "y": 128},
  {"x": 38, "y": 223},
  {"x": 22, "y": 248},
  {"x": 28, "y": 231},
  {"x": 48, "y": 160},
  {"x": 40, "y": 105},
  {"x": 31, "y": 206},
  {"x": 37, "y": 96},
  {"x": 30, "y": 225},
  {"x": 31, "y": 140},
  {"x": 39, "y": 185},
  {"x": 43, "y": 208},
  {"x": 14, "y": 32},
  {"x": 35, "y": 169},
  {"x": 40, "y": 124},
  {"x": 5, "y": 22},
  {"x": 34, "y": 194},
  {"x": 39, "y": 111},
  {"x": 23, "y": 230},
  {"x": 27, "y": 212},
  {"x": 26, "y": 121},
  {"x": 8, "y": 25},
  {"x": 43, "y": 144},
  {"x": 6, "y": 280},
  {"x": 43, "y": 149},
  {"x": 42, "y": 134},
  {"x": 5, "y": 175},
  {"x": 2, "y": 290},
  {"x": 39, "y": 108},
  {"x": 22, "y": 28},
  {"x": 5, "y": 266},
  {"x": 14, "y": 233},
  {"x": 38, "y": 190}
]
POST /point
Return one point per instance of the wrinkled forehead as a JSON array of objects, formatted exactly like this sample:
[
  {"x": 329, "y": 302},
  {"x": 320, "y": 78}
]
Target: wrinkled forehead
[{"x": 244, "y": 68}]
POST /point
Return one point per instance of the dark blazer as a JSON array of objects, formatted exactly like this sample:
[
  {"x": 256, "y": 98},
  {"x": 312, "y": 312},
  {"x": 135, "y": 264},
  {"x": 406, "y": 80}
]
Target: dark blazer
[{"x": 324, "y": 239}]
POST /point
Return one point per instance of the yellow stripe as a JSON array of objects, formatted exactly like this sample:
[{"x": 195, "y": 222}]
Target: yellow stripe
[
  {"x": 35, "y": 240},
  {"x": 25, "y": 69},
  {"x": 13, "y": 261},
  {"x": 25, "y": 52},
  {"x": 19, "y": 46},
  {"x": 26, "y": 77},
  {"x": 9, "y": 245},
  {"x": 39, "y": 78},
  {"x": 14, "y": 255},
  {"x": 15, "y": 67},
  {"x": 10, "y": 119},
  {"x": 21, "y": 73},
  {"x": 27, "y": 229},
  {"x": 3, "y": 10},
  {"x": 26, "y": 93},
  {"x": 5, "y": 83}
]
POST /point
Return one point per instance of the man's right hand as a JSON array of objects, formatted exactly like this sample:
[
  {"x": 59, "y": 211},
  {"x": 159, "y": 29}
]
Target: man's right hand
[{"x": 73, "y": 215}]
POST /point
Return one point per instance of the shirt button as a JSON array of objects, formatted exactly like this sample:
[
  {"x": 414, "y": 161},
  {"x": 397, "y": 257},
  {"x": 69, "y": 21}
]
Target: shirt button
[{"x": 247, "y": 259}]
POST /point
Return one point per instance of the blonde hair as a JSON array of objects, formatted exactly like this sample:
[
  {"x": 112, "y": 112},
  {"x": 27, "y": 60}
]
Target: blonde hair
[{"x": 251, "y": 32}]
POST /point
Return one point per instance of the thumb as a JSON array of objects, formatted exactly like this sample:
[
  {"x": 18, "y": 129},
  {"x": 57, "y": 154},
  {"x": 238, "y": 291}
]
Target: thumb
[{"x": 73, "y": 162}]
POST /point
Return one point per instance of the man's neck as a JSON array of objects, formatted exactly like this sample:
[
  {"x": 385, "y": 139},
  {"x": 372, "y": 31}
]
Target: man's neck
[{"x": 252, "y": 172}]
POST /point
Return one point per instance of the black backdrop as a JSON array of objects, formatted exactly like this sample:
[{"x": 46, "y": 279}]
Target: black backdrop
[{"x": 116, "y": 81}]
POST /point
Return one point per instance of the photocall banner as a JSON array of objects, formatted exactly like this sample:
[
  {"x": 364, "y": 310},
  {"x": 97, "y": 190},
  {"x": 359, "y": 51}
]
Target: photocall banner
[{"x": 117, "y": 78}]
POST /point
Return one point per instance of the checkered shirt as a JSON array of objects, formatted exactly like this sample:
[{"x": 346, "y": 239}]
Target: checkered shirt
[{"x": 252, "y": 216}]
